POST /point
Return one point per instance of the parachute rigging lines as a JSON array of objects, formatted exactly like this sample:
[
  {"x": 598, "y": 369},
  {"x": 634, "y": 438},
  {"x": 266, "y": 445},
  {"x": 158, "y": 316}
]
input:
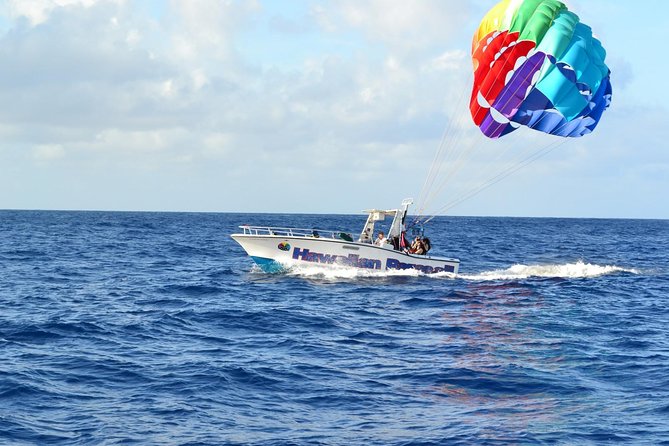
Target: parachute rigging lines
[
  {"x": 496, "y": 178},
  {"x": 449, "y": 152},
  {"x": 535, "y": 66}
]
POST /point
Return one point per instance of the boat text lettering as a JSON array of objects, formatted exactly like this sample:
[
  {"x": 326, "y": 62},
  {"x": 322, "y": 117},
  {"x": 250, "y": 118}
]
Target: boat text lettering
[
  {"x": 350, "y": 260},
  {"x": 396, "y": 264}
]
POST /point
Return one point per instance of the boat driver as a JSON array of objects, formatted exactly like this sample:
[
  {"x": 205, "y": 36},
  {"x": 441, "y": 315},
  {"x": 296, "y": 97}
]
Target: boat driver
[{"x": 380, "y": 239}]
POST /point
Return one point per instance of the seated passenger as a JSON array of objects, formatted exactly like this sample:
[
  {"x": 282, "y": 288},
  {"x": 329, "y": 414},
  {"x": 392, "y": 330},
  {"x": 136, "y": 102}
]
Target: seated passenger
[
  {"x": 417, "y": 247},
  {"x": 427, "y": 244},
  {"x": 380, "y": 239}
]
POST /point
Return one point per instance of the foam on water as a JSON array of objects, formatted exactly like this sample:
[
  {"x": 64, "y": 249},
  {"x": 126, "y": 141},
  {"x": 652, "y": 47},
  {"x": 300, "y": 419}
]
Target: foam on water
[
  {"x": 347, "y": 272},
  {"x": 576, "y": 270}
]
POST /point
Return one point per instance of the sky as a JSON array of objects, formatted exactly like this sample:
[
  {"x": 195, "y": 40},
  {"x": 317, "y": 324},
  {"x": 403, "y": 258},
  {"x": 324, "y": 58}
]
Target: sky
[{"x": 302, "y": 106}]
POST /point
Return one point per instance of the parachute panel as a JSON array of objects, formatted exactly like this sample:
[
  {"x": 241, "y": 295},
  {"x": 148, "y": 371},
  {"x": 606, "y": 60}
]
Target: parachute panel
[{"x": 537, "y": 65}]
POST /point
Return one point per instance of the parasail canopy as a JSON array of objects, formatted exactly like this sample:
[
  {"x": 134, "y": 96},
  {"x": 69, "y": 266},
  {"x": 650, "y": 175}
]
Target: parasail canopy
[{"x": 537, "y": 65}]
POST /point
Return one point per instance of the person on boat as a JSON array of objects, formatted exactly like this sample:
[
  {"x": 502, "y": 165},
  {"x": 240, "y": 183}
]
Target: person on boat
[
  {"x": 380, "y": 239},
  {"x": 417, "y": 247},
  {"x": 400, "y": 243},
  {"x": 427, "y": 244}
]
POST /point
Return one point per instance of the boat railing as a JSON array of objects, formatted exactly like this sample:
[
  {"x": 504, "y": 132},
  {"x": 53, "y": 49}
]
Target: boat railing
[{"x": 296, "y": 232}]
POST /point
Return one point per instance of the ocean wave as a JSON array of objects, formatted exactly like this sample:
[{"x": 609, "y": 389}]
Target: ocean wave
[
  {"x": 347, "y": 272},
  {"x": 334, "y": 272},
  {"x": 199, "y": 347},
  {"x": 575, "y": 270}
]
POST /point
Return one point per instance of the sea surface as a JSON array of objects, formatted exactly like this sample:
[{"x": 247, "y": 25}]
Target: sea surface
[{"x": 156, "y": 329}]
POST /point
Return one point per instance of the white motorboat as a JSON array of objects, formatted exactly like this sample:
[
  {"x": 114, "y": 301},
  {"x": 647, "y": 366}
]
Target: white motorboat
[{"x": 276, "y": 249}]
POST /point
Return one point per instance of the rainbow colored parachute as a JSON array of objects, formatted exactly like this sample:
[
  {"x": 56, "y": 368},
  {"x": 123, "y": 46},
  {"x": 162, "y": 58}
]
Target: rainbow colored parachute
[{"x": 536, "y": 64}]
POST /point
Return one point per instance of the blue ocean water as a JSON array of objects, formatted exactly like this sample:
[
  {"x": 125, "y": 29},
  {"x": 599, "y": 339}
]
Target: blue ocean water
[{"x": 156, "y": 328}]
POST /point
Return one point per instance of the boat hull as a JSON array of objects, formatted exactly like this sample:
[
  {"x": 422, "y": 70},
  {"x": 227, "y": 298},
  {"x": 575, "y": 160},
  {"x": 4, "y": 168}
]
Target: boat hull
[{"x": 275, "y": 253}]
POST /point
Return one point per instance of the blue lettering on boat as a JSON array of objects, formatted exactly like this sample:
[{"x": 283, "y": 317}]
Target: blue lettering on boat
[
  {"x": 326, "y": 258},
  {"x": 396, "y": 264},
  {"x": 351, "y": 260}
]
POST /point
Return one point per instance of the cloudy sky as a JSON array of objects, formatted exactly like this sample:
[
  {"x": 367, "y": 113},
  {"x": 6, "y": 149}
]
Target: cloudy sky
[{"x": 306, "y": 106}]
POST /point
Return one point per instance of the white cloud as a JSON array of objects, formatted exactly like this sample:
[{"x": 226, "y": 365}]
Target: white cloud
[
  {"x": 38, "y": 11},
  {"x": 452, "y": 60},
  {"x": 48, "y": 152},
  {"x": 204, "y": 30},
  {"x": 402, "y": 25},
  {"x": 108, "y": 86}
]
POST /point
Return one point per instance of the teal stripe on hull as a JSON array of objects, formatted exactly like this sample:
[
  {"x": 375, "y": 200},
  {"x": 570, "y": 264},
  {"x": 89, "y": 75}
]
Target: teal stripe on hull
[{"x": 268, "y": 265}]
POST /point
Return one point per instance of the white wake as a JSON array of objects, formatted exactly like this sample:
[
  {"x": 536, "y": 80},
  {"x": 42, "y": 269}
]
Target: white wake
[
  {"x": 348, "y": 272},
  {"x": 576, "y": 270}
]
